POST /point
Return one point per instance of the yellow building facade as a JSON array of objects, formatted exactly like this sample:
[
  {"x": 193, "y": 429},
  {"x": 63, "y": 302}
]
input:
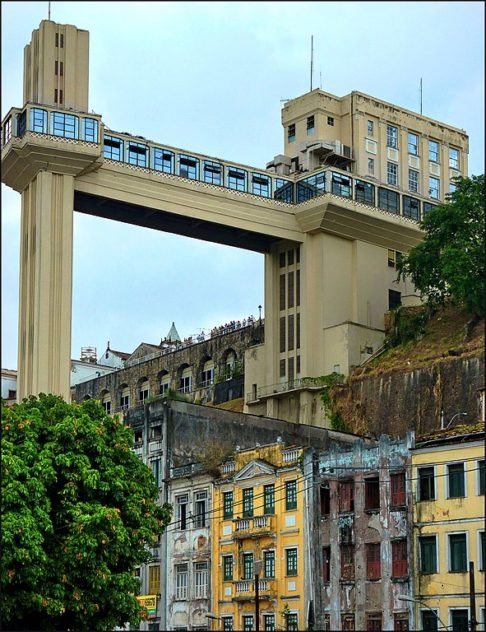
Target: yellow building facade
[
  {"x": 449, "y": 530},
  {"x": 258, "y": 560}
]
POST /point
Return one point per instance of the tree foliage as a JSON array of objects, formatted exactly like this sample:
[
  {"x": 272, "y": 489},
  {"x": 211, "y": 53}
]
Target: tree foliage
[
  {"x": 449, "y": 262},
  {"x": 79, "y": 509}
]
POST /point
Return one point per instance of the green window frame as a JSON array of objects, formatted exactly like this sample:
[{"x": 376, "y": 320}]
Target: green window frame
[
  {"x": 457, "y": 552},
  {"x": 290, "y": 495},
  {"x": 456, "y": 480},
  {"x": 269, "y": 499},
  {"x": 228, "y": 505},
  {"x": 248, "y": 502},
  {"x": 227, "y": 568},
  {"x": 428, "y": 554},
  {"x": 291, "y": 561}
]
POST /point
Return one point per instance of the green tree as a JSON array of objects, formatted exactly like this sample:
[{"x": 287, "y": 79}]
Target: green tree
[
  {"x": 449, "y": 262},
  {"x": 78, "y": 510}
]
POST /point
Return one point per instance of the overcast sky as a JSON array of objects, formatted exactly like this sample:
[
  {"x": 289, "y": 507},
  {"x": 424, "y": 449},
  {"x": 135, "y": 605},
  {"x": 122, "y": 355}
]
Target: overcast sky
[{"x": 210, "y": 77}]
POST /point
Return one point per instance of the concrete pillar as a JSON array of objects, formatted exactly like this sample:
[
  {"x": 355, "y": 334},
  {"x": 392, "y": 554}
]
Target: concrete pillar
[{"x": 46, "y": 261}]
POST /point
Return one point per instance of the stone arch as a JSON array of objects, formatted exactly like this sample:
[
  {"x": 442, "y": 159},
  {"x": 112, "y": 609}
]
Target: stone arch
[
  {"x": 105, "y": 399},
  {"x": 143, "y": 389},
  {"x": 185, "y": 378}
]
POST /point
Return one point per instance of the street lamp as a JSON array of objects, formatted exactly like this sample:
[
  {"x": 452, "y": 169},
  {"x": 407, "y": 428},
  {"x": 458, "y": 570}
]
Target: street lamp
[
  {"x": 452, "y": 419},
  {"x": 421, "y": 603}
]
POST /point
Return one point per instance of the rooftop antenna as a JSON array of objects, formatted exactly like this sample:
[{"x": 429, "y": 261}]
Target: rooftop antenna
[
  {"x": 420, "y": 95},
  {"x": 312, "y": 61},
  {"x": 49, "y": 11}
]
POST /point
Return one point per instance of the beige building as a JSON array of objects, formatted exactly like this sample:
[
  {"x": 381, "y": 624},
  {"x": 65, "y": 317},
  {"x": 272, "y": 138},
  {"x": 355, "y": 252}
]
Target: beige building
[{"x": 331, "y": 215}]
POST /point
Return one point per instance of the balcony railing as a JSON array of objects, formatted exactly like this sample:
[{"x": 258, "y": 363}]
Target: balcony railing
[
  {"x": 245, "y": 589},
  {"x": 254, "y": 527},
  {"x": 284, "y": 387}
]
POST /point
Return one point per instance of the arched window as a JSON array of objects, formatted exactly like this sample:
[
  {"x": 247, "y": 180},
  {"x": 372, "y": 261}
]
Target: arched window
[
  {"x": 143, "y": 390},
  {"x": 125, "y": 397},
  {"x": 207, "y": 377},
  {"x": 185, "y": 384},
  {"x": 164, "y": 383},
  {"x": 106, "y": 402}
]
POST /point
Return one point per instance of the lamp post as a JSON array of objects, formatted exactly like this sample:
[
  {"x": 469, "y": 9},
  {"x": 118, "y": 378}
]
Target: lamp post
[
  {"x": 452, "y": 419},
  {"x": 421, "y": 603},
  {"x": 258, "y": 570}
]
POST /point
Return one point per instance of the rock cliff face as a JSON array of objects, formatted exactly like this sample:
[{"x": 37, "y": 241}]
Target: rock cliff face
[{"x": 419, "y": 385}]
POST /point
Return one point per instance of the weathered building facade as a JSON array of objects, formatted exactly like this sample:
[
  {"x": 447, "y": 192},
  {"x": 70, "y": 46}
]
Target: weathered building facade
[{"x": 359, "y": 534}]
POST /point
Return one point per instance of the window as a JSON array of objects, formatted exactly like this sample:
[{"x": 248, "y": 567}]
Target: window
[
  {"x": 163, "y": 160},
  {"x": 364, "y": 192},
  {"x": 392, "y": 173},
  {"x": 413, "y": 180},
  {"x": 181, "y": 581},
  {"x": 371, "y": 166},
  {"x": 208, "y": 373},
  {"x": 373, "y": 560},
  {"x": 400, "y": 622},
  {"x": 428, "y": 554},
  {"x": 144, "y": 392},
  {"x": 181, "y": 502},
  {"x": 227, "y": 624},
  {"x": 38, "y": 120},
  {"x": 227, "y": 505},
  {"x": 372, "y": 493},
  {"x": 200, "y": 509},
  {"x": 64, "y": 125},
  {"x": 341, "y": 185},
  {"x": 433, "y": 151},
  {"x": 188, "y": 167},
  {"x": 247, "y": 623},
  {"x": 325, "y": 498},
  {"x": 413, "y": 144},
  {"x": 261, "y": 185},
  {"x": 411, "y": 207},
  {"x": 112, "y": 148},
  {"x": 394, "y": 256},
  {"x": 269, "y": 499},
  {"x": 371, "y": 128},
  {"x": 481, "y": 477},
  {"x": 248, "y": 566},
  {"x": 156, "y": 470},
  {"x": 346, "y": 496},
  {"x": 392, "y": 136},
  {"x": 236, "y": 179},
  {"x": 426, "y": 483},
  {"x": 269, "y": 564},
  {"x": 291, "y": 561},
  {"x": 397, "y": 489},
  {"x": 200, "y": 580},
  {"x": 330, "y": 121},
  {"x": 154, "y": 580},
  {"x": 290, "y": 495},
  {"x": 457, "y": 553},
  {"x": 89, "y": 130},
  {"x": 399, "y": 558},
  {"x": 434, "y": 188},
  {"x": 460, "y": 620},
  {"x": 455, "y": 480},
  {"x": 58, "y": 97},
  {"x": 326, "y": 563},
  {"x": 227, "y": 568},
  {"x": 248, "y": 502},
  {"x": 291, "y": 289},
  {"x": 482, "y": 550},
  {"x": 388, "y": 200},
  {"x": 311, "y": 187},
  {"x": 185, "y": 382},
  {"x": 427, "y": 207},
  {"x": 347, "y": 622},
  {"x": 292, "y": 622},
  {"x": 454, "y": 158},
  {"x": 212, "y": 172},
  {"x": 347, "y": 562},
  {"x": 430, "y": 621},
  {"x": 373, "y": 622},
  {"x": 125, "y": 398},
  {"x": 59, "y": 40},
  {"x": 291, "y": 133},
  {"x": 394, "y": 299},
  {"x": 269, "y": 622},
  {"x": 310, "y": 125},
  {"x": 137, "y": 154},
  {"x": 282, "y": 332}
]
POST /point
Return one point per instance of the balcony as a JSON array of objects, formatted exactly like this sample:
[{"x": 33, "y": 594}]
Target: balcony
[
  {"x": 245, "y": 589},
  {"x": 255, "y": 527},
  {"x": 283, "y": 388}
]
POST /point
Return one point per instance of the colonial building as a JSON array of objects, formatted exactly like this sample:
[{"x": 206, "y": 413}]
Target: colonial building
[{"x": 448, "y": 474}]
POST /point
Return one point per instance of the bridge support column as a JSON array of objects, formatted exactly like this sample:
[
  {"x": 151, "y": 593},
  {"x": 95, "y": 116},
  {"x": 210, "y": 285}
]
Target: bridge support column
[{"x": 45, "y": 306}]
